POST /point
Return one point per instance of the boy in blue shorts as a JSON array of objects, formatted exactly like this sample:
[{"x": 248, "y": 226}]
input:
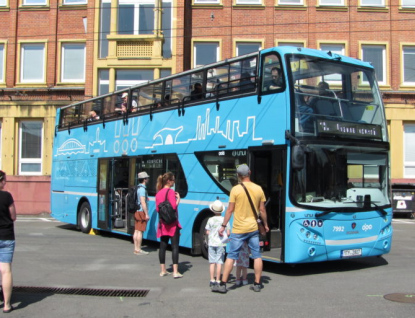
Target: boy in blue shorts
[{"x": 216, "y": 243}]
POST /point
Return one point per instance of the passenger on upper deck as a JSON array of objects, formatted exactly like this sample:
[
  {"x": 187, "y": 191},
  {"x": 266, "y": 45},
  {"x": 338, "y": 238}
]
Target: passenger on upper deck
[
  {"x": 124, "y": 105},
  {"x": 247, "y": 81},
  {"x": 93, "y": 116},
  {"x": 197, "y": 92},
  {"x": 323, "y": 90},
  {"x": 276, "y": 81}
]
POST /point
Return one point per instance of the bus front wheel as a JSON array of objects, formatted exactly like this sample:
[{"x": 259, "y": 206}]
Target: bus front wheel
[
  {"x": 84, "y": 218},
  {"x": 204, "y": 239}
]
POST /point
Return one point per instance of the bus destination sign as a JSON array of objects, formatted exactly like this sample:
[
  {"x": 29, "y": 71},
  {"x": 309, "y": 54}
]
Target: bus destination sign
[{"x": 347, "y": 129}]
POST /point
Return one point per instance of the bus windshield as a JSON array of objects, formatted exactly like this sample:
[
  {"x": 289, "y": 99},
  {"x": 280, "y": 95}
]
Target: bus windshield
[
  {"x": 334, "y": 99},
  {"x": 343, "y": 178}
]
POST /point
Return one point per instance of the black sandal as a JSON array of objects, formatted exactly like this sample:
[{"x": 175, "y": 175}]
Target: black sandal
[{"x": 9, "y": 310}]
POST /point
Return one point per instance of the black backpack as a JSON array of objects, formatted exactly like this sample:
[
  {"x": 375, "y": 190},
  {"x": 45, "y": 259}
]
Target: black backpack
[
  {"x": 166, "y": 212},
  {"x": 133, "y": 204}
]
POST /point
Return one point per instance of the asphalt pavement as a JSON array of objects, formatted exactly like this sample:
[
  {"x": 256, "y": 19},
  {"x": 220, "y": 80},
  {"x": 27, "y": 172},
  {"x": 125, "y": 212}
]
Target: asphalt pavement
[{"x": 57, "y": 257}]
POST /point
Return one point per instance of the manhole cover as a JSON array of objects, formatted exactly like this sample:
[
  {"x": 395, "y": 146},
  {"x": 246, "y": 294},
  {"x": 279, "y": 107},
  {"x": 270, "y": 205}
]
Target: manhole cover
[
  {"x": 402, "y": 298},
  {"x": 82, "y": 291}
]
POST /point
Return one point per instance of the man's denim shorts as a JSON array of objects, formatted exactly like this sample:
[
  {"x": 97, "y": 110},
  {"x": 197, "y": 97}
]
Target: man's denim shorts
[
  {"x": 236, "y": 241},
  {"x": 6, "y": 251}
]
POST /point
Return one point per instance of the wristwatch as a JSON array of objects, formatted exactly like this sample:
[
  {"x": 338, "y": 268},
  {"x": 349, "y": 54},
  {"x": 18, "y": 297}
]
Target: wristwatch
[{"x": 223, "y": 225}]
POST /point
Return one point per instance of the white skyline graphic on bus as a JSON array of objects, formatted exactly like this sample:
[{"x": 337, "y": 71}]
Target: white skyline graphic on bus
[
  {"x": 163, "y": 137},
  {"x": 171, "y": 136},
  {"x": 73, "y": 146}
]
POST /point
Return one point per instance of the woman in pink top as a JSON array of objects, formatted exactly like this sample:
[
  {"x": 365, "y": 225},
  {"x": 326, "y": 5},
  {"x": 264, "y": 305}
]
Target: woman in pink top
[{"x": 171, "y": 231}]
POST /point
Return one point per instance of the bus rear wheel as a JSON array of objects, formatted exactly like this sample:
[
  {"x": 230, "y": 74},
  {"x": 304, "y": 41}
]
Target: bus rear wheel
[{"x": 85, "y": 218}]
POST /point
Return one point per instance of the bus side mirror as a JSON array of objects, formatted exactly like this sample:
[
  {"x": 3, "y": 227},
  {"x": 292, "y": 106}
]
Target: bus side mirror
[{"x": 297, "y": 162}]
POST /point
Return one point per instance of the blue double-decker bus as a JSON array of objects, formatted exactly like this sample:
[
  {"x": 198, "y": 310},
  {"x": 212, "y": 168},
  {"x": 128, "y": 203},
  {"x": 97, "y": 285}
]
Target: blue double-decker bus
[{"x": 310, "y": 124}]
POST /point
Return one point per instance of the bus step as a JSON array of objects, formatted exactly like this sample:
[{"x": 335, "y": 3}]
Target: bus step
[{"x": 275, "y": 238}]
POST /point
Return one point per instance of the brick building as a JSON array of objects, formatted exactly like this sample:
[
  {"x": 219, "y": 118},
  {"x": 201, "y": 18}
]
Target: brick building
[
  {"x": 44, "y": 49},
  {"x": 54, "y": 52}
]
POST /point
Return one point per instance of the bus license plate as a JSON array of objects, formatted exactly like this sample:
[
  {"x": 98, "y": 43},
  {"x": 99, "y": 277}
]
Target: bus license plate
[{"x": 351, "y": 253}]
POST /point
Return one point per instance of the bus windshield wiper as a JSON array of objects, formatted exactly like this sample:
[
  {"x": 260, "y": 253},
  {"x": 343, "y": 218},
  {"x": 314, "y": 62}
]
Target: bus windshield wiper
[{"x": 379, "y": 208}]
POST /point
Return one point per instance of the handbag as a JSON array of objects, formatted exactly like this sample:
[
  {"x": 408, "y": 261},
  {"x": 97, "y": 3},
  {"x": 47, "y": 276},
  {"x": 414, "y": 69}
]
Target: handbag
[
  {"x": 261, "y": 227},
  {"x": 166, "y": 212}
]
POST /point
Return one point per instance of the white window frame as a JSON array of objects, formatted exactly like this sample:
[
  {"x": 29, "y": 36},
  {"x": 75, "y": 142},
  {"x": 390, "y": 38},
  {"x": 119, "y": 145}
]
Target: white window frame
[
  {"x": 412, "y": 47},
  {"x": 2, "y": 62},
  {"x": 381, "y": 3},
  {"x": 35, "y": 2},
  {"x": 384, "y": 65},
  {"x": 30, "y": 160},
  {"x": 291, "y": 2},
  {"x": 65, "y": 46},
  {"x": 410, "y": 5},
  {"x": 22, "y": 62},
  {"x": 331, "y": 2},
  {"x": 249, "y": 2},
  {"x": 195, "y": 51},
  {"x": 207, "y": 1},
  {"x": 409, "y": 149},
  {"x": 74, "y": 2}
]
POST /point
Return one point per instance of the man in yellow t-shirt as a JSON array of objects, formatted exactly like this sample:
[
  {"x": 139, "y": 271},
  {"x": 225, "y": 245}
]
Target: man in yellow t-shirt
[{"x": 245, "y": 227}]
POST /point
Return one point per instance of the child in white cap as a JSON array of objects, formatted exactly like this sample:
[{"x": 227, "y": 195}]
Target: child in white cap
[{"x": 216, "y": 243}]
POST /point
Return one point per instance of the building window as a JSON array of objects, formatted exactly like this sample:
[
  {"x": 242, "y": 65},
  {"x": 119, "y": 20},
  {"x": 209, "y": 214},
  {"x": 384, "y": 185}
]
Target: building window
[
  {"x": 408, "y": 3},
  {"x": 32, "y": 63},
  {"x": 3, "y": 3},
  {"x": 249, "y": 2},
  {"x": 127, "y": 78},
  {"x": 34, "y": 2},
  {"x": 73, "y": 62},
  {"x": 376, "y": 54},
  {"x": 409, "y": 151},
  {"x": 245, "y": 48},
  {"x": 335, "y": 49},
  {"x": 291, "y": 2},
  {"x": 104, "y": 81},
  {"x": 104, "y": 27},
  {"x": 205, "y": 53},
  {"x": 206, "y": 1},
  {"x": 408, "y": 64},
  {"x": 30, "y": 154},
  {"x": 331, "y": 2},
  {"x": 166, "y": 27},
  {"x": 165, "y": 72},
  {"x": 372, "y": 3},
  {"x": 295, "y": 44},
  {"x": 135, "y": 16},
  {"x": 75, "y": 1},
  {"x": 2, "y": 62}
]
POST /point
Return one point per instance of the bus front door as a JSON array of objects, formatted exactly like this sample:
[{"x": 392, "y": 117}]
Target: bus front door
[
  {"x": 113, "y": 183},
  {"x": 268, "y": 170}
]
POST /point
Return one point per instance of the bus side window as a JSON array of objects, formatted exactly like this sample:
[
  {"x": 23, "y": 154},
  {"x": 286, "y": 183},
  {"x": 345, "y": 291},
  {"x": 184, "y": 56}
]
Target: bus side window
[
  {"x": 272, "y": 76},
  {"x": 181, "y": 88}
]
